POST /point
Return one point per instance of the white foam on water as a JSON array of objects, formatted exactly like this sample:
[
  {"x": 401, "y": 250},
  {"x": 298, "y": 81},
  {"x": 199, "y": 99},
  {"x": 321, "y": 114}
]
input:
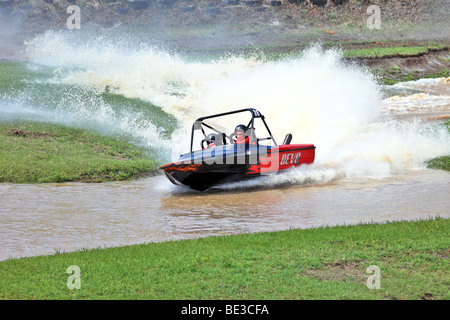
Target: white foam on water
[{"x": 430, "y": 96}]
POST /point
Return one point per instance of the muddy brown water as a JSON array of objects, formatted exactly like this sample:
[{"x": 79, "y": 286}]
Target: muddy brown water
[{"x": 47, "y": 218}]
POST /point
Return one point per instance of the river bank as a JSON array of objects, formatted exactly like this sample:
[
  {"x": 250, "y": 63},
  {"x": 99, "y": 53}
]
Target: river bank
[
  {"x": 34, "y": 152},
  {"x": 322, "y": 263}
]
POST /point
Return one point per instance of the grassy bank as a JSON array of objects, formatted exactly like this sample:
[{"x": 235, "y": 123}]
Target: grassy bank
[
  {"x": 443, "y": 162},
  {"x": 394, "y": 75},
  {"x": 388, "y": 74},
  {"x": 322, "y": 263},
  {"x": 380, "y": 52},
  {"x": 33, "y": 152}
]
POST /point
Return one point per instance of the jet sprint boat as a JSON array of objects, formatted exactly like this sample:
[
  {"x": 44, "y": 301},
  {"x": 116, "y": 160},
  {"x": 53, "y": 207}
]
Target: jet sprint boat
[{"x": 240, "y": 155}]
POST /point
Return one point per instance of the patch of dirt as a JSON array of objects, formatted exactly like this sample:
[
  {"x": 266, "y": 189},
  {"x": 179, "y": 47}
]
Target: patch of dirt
[
  {"x": 443, "y": 254},
  {"x": 32, "y": 135},
  {"x": 16, "y": 132},
  {"x": 38, "y": 135},
  {"x": 427, "y": 296},
  {"x": 339, "y": 271}
]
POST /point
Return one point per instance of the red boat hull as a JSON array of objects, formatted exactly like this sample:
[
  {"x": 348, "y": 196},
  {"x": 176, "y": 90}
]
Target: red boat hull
[{"x": 204, "y": 173}]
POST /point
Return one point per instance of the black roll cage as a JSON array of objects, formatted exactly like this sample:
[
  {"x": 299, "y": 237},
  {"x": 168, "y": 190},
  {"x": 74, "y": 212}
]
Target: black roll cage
[{"x": 198, "y": 124}]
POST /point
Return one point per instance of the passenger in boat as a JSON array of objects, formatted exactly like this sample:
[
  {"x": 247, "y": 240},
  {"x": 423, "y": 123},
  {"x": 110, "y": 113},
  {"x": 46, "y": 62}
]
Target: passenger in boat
[{"x": 211, "y": 140}]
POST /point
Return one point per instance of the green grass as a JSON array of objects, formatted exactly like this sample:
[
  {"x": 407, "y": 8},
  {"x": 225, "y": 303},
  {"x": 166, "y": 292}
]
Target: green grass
[
  {"x": 11, "y": 76},
  {"x": 390, "y": 77},
  {"x": 443, "y": 162},
  {"x": 34, "y": 86},
  {"x": 378, "y": 52},
  {"x": 322, "y": 263},
  {"x": 33, "y": 152},
  {"x": 147, "y": 111}
]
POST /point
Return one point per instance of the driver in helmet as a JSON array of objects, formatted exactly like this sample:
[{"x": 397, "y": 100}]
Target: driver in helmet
[{"x": 240, "y": 132}]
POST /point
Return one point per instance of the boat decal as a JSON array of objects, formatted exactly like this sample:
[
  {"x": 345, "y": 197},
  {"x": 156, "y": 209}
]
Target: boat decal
[
  {"x": 253, "y": 169},
  {"x": 290, "y": 158},
  {"x": 181, "y": 167}
]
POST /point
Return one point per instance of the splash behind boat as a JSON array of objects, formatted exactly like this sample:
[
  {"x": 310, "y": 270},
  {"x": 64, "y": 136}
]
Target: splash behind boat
[{"x": 222, "y": 158}]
